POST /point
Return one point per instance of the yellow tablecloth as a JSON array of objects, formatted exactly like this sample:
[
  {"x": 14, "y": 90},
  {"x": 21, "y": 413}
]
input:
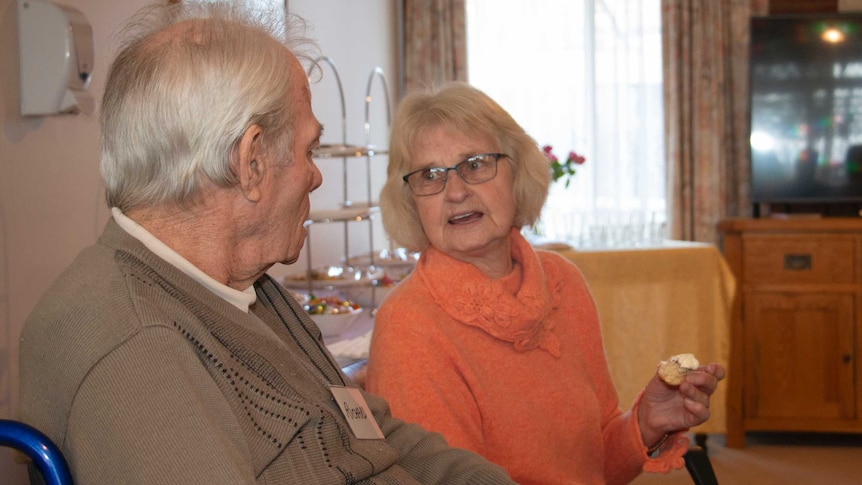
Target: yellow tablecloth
[{"x": 657, "y": 302}]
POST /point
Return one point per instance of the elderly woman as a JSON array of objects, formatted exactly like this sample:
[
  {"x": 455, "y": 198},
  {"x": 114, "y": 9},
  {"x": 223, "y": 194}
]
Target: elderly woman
[{"x": 490, "y": 342}]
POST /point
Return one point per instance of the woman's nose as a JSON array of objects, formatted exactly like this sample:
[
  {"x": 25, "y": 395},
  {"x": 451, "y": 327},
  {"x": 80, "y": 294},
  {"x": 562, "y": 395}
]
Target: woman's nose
[{"x": 456, "y": 188}]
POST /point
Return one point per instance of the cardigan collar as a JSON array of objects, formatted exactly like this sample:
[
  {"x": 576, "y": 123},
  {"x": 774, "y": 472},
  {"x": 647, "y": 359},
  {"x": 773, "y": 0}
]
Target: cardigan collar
[{"x": 510, "y": 308}]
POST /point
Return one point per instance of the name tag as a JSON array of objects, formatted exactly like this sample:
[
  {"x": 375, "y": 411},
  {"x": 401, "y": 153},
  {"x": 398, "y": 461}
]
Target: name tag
[{"x": 356, "y": 411}]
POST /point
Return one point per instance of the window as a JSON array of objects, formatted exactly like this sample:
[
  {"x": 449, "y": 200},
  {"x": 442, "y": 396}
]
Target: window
[{"x": 582, "y": 75}]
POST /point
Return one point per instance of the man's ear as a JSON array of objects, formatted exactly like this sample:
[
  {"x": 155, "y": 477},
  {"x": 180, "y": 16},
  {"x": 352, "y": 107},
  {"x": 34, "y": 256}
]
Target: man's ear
[{"x": 250, "y": 163}]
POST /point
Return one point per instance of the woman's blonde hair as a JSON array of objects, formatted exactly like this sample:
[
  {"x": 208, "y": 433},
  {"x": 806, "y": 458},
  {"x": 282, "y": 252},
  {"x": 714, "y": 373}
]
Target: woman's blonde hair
[{"x": 459, "y": 107}]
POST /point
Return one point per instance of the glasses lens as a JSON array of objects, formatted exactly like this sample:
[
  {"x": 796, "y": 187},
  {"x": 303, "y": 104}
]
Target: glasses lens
[
  {"x": 478, "y": 168},
  {"x": 428, "y": 181}
]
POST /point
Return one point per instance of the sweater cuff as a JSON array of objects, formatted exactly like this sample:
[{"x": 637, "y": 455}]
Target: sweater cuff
[
  {"x": 671, "y": 453},
  {"x": 670, "y": 458}
]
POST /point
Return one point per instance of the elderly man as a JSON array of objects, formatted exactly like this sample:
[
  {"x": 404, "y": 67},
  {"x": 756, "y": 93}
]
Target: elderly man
[{"x": 165, "y": 354}]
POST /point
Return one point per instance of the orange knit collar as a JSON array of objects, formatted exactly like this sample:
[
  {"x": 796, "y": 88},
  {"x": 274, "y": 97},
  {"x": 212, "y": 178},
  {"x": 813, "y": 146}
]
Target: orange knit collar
[{"x": 472, "y": 298}]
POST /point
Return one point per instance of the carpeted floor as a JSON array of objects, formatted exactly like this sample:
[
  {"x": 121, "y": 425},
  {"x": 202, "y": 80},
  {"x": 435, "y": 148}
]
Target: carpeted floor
[{"x": 778, "y": 459}]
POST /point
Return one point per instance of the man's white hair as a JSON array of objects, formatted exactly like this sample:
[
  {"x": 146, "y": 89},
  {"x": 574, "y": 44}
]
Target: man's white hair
[{"x": 190, "y": 79}]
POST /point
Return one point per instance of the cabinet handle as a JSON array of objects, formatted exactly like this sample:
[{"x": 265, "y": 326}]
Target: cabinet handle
[{"x": 797, "y": 262}]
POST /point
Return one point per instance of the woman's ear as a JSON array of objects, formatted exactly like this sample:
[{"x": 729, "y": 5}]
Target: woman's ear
[{"x": 250, "y": 163}]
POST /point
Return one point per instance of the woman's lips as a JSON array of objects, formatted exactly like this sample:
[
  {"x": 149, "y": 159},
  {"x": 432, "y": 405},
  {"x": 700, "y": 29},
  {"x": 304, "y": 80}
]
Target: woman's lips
[{"x": 466, "y": 218}]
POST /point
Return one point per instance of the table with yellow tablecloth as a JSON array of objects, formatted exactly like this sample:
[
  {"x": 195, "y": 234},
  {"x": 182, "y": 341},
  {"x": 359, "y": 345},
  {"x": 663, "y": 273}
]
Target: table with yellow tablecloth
[{"x": 655, "y": 302}]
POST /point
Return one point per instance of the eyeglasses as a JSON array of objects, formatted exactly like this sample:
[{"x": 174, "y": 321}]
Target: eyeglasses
[{"x": 473, "y": 170}]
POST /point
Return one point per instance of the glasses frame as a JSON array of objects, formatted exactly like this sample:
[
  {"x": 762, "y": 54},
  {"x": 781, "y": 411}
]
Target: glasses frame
[{"x": 445, "y": 171}]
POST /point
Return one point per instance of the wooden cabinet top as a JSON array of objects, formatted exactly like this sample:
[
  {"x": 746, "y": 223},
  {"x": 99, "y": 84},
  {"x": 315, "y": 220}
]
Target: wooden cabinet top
[{"x": 821, "y": 225}]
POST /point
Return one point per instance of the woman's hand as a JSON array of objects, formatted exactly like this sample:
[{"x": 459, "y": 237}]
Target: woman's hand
[{"x": 665, "y": 409}]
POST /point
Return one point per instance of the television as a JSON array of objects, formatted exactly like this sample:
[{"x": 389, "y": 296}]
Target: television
[{"x": 806, "y": 111}]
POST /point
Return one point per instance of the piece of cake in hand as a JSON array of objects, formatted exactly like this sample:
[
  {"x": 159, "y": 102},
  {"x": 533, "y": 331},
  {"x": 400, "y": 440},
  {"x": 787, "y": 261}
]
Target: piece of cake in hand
[{"x": 674, "y": 369}]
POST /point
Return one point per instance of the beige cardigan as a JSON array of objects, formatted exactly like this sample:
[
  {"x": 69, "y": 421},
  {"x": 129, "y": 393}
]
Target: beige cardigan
[{"x": 141, "y": 375}]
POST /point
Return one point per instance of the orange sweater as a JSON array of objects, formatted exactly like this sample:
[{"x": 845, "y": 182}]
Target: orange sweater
[{"x": 513, "y": 369}]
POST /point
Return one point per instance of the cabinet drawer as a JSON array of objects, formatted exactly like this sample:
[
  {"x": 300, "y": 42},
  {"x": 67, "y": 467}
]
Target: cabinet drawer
[{"x": 784, "y": 259}]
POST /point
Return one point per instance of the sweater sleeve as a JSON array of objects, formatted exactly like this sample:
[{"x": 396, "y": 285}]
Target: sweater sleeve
[
  {"x": 624, "y": 454},
  {"x": 624, "y": 451},
  {"x": 146, "y": 414},
  {"x": 428, "y": 458}
]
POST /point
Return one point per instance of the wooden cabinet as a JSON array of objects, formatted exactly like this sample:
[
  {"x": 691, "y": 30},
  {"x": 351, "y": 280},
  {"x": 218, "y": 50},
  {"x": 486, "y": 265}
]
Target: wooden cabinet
[
  {"x": 795, "y": 326},
  {"x": 780, "y": 7},
  {"x": 798, "y": 344}
]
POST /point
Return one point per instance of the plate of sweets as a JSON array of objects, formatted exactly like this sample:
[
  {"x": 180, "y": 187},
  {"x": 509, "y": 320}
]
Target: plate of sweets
[{"x": 332, "y": 314}]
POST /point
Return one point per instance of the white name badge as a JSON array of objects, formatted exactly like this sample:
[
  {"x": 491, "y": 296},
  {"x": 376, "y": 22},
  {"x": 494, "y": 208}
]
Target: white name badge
[{"x": 356, "y": 411}]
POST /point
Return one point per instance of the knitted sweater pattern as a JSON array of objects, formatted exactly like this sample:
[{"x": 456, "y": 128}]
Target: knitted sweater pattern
[{"x": 521, "y": 317}]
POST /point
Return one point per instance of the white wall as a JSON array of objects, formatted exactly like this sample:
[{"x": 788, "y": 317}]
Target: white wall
[
  {"x": 51, "y": 202},
  {"x": 357, "y": 37}
]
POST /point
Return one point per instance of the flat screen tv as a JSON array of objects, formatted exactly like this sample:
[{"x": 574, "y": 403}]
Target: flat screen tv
[{"x": 806, "y": 109}]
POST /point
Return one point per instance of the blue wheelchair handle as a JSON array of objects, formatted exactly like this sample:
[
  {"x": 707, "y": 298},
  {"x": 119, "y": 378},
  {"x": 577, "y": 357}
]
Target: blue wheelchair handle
[{"x": 39, "y": 448}]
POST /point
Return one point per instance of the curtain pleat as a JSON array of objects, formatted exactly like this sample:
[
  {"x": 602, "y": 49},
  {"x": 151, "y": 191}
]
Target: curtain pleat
[
  {"x": 435, "y": 48},
  {"x": 705, "y": 51}
]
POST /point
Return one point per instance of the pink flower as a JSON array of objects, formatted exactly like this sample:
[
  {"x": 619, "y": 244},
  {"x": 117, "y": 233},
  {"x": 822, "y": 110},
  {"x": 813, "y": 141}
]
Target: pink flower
[
  {"x": 563, "y": 169},
  {"x": 549, "y": 154},
  {"x": 574, "y": 157}
]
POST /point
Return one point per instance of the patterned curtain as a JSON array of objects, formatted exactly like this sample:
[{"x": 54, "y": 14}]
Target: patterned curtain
[
  {"x": 435, "y": 48},
  {"x": 705, "y": 49}
]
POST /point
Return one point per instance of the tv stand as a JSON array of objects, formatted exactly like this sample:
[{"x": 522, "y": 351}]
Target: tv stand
[
  {"x": 796, "y": 325},
  {"x": 792, "y": 210}
]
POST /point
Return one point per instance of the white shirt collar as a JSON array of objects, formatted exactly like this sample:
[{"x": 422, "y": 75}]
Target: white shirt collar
[{"x": 240, "y": 299}]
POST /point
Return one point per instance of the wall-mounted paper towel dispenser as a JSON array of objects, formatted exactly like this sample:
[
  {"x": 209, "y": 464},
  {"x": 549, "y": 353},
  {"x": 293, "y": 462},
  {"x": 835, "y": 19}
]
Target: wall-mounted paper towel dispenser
[{"x": 55, "y": 45}]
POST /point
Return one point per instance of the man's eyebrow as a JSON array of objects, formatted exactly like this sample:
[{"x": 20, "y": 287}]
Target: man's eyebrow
[{"x": 320, "y": 128}]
